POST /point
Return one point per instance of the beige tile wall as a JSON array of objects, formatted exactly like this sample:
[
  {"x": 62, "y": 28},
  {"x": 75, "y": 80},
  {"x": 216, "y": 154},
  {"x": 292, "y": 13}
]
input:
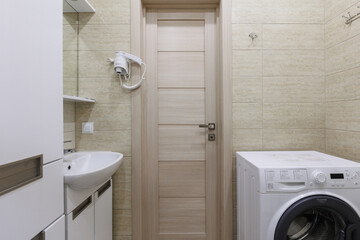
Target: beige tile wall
[
  {"x": 342, "y": 80},
  {"x": 279, "y": 78},
  {"x": 69, "y": 126},
  {"x": 100, "y": 35}
]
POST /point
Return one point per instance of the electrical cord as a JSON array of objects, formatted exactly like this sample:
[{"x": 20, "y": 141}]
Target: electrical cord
[{"x": 135, "y": 86}]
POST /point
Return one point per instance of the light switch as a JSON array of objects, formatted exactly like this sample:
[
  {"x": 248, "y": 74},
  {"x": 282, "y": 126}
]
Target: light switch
[{"x": 87, "y": 127}]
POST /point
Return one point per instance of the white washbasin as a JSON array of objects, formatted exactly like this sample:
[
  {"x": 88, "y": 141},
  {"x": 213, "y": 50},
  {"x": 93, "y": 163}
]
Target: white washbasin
[{"x": 83, "y": 170}]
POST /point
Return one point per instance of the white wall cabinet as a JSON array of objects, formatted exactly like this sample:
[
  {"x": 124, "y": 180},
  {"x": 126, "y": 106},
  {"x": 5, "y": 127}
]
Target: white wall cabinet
[
  {"x": 31, "y": 114},
  {"x": 56, "y": 231},
  {"x": 31, "y": 120}
]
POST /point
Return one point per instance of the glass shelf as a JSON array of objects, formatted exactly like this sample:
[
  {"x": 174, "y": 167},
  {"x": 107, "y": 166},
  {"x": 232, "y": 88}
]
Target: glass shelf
[
  {"x": 79, "y": 6},
  {"x": 68, "y": 98}
]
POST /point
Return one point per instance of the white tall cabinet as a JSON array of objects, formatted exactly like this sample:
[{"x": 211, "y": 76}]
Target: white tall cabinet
[{"x": 31, "y": 116}]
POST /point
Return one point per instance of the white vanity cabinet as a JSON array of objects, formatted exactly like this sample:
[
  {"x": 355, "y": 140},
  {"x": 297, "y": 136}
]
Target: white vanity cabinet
[
  {"x": 103, "y": 212},
  {"x": 89, "y": 213},
  {"x": 80, "y": 222}
]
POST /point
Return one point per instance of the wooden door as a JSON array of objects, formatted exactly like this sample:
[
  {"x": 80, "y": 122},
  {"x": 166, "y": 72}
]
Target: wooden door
[{"x": 179, "y": 174}]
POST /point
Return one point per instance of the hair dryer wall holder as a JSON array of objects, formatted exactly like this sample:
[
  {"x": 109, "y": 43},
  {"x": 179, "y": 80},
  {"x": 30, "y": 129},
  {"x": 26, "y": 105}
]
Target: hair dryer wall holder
[{"x": 122, "y": 67}]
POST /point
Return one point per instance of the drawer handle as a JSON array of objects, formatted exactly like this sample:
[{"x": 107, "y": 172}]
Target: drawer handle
[
  {"x": 103, "y": 188},
  {"x": 79, "y": 209},
  {"x": 19, "y": 173}
]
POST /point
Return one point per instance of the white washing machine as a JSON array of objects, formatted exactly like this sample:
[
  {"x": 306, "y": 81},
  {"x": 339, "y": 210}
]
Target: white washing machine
[{"x": 297, "y": 195}]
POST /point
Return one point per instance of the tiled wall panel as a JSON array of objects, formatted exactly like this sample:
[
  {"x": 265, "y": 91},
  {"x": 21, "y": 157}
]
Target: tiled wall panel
[
  {"x": 278, "y": 78},
  {"x": 342, "y": 80},
  {"x": 100, "y": 35},
  {"x": 69, "y": 125}
]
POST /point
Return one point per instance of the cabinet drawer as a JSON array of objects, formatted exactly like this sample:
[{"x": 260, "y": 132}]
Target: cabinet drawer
[
  {"x": 31, "y": 208},
  {"x": 56, "y": 231}
]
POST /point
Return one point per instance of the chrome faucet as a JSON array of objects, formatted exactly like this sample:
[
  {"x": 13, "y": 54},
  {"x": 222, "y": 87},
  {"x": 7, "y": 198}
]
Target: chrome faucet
[{"x": 67, "y": 151}]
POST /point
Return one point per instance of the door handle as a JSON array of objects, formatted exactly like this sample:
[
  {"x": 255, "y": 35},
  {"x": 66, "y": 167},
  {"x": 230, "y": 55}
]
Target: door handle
[{"x": 210, "y": 126}]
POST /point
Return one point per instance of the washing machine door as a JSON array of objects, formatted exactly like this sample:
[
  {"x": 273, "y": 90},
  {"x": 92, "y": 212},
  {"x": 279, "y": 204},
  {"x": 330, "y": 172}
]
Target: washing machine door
[{"x": 319, "y": 217}]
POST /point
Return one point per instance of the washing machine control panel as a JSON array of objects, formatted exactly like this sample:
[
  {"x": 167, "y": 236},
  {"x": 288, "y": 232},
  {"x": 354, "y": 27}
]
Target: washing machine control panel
[
  {"x": 346, "y": 178},
  {"x": 296, "y": 180},
  {"x": 319, "y": 177}
]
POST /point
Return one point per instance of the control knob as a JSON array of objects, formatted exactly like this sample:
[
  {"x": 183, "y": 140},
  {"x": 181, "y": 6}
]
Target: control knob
[{"x": 319, "y": 177}]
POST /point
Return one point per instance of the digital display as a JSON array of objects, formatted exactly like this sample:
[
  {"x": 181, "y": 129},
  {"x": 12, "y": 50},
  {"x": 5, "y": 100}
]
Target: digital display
[{"x": 336, "y": 175}]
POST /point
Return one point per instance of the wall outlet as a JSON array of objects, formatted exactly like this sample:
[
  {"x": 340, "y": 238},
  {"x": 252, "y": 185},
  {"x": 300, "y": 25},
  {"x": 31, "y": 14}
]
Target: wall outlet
[{"x": 87, "y": 128}]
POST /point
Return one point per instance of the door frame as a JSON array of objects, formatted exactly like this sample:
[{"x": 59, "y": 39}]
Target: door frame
[{"x": 225, "y": 189}]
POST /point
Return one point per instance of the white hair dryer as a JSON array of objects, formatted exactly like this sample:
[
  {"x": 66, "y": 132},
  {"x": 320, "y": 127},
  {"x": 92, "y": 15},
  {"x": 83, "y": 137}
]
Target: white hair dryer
[{"x": 122, "y": 66}]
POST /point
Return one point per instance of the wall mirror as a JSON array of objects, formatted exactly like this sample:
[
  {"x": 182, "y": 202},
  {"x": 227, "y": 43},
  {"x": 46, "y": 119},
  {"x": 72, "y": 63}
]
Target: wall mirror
[{"x": 70, "y": 49}]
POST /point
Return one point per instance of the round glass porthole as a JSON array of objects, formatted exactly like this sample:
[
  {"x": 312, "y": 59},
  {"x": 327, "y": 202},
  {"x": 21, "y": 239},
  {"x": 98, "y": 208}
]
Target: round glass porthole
[{"x": 319, "y": 217}]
